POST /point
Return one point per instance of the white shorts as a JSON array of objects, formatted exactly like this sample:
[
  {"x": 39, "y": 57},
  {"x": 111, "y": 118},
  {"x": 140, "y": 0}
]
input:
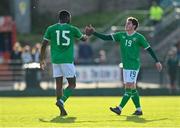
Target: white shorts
[
  {"x": 66, "y": 70},
  {"x": 130, "y": 76}
]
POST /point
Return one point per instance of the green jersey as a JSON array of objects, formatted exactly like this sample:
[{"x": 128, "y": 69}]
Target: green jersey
[
  {"x": 61, "y": 38},
  {"x": 130, "y": 48}
]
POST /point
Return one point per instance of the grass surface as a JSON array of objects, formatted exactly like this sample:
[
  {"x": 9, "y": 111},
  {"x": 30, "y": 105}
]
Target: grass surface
[{"x": 88, "y": 112}]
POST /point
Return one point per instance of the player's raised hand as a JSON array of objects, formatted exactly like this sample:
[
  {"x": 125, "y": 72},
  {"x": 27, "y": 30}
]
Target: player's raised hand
[
  {"x": 42, "y": 64},
  {"x": 159, "y": 66},
  {"x": 89, "y": 30}
]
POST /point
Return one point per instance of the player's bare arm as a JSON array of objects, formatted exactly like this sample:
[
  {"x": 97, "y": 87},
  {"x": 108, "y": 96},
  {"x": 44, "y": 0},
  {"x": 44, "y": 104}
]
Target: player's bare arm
[{"x": 43, "y": 54}]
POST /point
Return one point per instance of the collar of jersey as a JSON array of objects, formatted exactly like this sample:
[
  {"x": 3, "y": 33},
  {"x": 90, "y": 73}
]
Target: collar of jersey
[
  {"x": 131, "y": 34},
  {"x": 62, "y": 23}
]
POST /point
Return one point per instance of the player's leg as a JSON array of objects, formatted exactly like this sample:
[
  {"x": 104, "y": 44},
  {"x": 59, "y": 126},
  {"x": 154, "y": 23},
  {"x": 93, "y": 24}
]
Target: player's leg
[
  {"x": 70, "y": 73},
  {"x": 57, "y": 74},
  {"x": 59, "y": 94},
  {"x": 127, "y": 94},
  {"x": 59, "y": 87},
  {"x": 68, "y": 70},
  {"x": 129, "y": 78},
  {"x": 135, "y": 97},
  {"x": 68, "y": 91},
  {"x": 125, "y": 98},
  {"x": 136, "y": 100}
]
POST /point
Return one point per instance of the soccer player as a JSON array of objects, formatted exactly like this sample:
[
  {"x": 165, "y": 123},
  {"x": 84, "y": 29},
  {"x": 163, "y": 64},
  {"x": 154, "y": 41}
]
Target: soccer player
[
  {"x": 61, "y": 37},
  {"x": 130, "y": 43}
]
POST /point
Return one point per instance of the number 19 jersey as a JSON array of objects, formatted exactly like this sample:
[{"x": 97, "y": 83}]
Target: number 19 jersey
[
  {"x": 61, "y": 38},
  {"x": 130, "y": 48}
]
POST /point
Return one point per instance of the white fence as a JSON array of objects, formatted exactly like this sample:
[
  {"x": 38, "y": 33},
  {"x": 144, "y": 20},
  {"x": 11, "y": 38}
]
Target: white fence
[{"x": 100, "y": 73}]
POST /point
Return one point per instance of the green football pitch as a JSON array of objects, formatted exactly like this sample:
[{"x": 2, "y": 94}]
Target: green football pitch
[{"x": 89, "y": 112}]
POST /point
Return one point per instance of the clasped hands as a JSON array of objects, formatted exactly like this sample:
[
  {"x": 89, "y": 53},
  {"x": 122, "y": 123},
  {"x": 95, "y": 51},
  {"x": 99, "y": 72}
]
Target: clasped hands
[{"x": 89, "y": 30}]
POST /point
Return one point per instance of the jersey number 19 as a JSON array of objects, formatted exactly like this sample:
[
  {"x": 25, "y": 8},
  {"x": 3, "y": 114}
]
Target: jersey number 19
[
  {"x": 128, "y": 43},
  {"x": 62, "y": 34}
]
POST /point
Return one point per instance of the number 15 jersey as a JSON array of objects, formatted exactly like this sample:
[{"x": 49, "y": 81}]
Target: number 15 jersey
[{"x": 61, "y": 38}]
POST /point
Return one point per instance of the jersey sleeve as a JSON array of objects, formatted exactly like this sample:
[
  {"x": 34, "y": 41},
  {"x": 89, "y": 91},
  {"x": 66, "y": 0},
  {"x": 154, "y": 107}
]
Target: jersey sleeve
[
  {"x": 143, "y": 42},
  {"x": 47, "y": 34},
  {"x": 116, "y": 36},
  {"x": 77, "y": 33}
]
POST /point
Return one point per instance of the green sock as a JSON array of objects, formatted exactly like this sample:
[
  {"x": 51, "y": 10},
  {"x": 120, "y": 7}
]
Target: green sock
[
  {"x": 125, "y": 98},
  {"x": 66, "y": 93},
  {"x": 135, "y": 98}
]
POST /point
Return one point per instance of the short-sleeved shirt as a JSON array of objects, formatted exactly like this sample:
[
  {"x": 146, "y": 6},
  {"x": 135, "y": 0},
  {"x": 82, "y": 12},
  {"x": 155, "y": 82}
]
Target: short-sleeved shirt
[
  {"x": 61, "y": 38},
  {"x": 130, "y": 48}
]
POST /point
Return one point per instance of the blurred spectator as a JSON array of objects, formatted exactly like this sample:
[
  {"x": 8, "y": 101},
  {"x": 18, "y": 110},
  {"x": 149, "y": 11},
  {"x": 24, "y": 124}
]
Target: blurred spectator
[
  {"x": 85, "y": 53},
  {"x": 16, "y": 53},
  {"x": 1, "y": 58},
  {"x": 140, "y": 75},
  {"x": 102, "y": 57},
  {"x": 172, "y": 63},
  {"x": 36, "y": 52},
  {"x": 16, "y": 62},
  {"x": 6, "y": 42},
  {"x": 76, "y": 51},
  {"x": 156, "y": 13},
  {"x": 178, "y": 57},
  {"x": 36, "y": 58},
  {"x": 26, "y": 55}
]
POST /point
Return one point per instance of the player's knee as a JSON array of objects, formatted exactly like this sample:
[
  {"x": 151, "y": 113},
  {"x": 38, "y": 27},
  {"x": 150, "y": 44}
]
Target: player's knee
[
  {"x": 72, "y": 82},
  {"x": 130, "y": 85},
  {"x": 72, "y": 85}
]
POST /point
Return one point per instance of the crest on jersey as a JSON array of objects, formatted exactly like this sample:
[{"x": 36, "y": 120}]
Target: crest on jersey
[{"x": 134, "y": 39}]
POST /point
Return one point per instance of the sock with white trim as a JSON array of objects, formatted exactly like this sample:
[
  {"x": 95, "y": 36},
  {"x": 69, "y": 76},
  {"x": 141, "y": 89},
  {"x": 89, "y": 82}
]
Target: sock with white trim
[
  {"x": 135, "y": 99},
  {"x": 126, "y": 97}
]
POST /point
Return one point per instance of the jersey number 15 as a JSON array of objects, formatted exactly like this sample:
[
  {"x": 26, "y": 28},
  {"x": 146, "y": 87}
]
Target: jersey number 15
[{"x": 62, "y": 34}]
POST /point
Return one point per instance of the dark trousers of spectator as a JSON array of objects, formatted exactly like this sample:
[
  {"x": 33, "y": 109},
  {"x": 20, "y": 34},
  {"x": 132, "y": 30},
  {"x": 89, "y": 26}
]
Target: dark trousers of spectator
[
  {"x": 16, "y": 69},
  {"x": 178, "y": 76},
  {"x": 172, "y": 78}
]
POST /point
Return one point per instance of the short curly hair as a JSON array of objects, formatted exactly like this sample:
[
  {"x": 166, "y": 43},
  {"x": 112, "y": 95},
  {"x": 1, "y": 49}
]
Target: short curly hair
[{"x": 64, "y": 16}]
